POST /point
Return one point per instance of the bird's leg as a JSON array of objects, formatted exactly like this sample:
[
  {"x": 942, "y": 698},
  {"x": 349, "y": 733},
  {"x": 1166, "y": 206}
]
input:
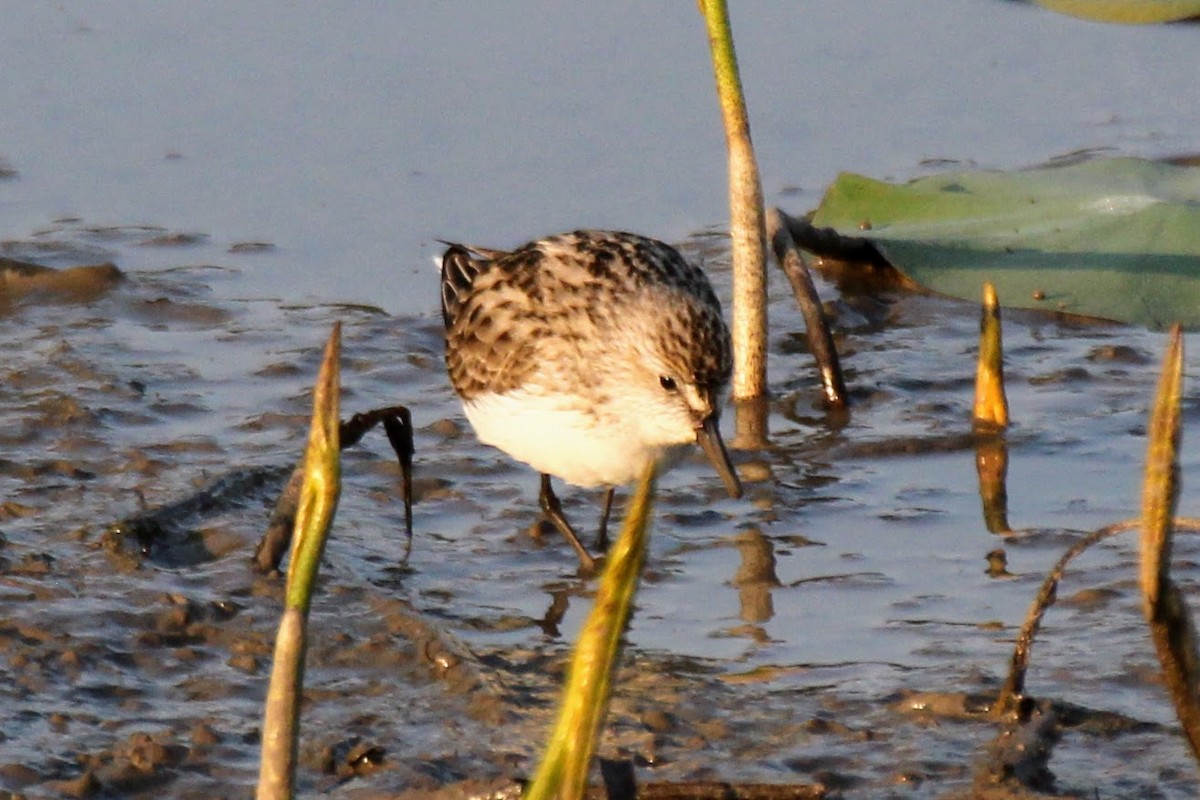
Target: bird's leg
[
  {"x": 553, "y": 511},
  {"x": 602, "y": 534}
]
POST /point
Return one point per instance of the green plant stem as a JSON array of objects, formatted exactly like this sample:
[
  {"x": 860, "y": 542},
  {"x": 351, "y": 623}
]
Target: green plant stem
[
  {"x": 747, "y": 226},
  {"x": 1171, "y": 625},
  {"x": 564, "y": 769},
  {"x": 318, "y": 503},
  {"x": 991, "y": 401}
]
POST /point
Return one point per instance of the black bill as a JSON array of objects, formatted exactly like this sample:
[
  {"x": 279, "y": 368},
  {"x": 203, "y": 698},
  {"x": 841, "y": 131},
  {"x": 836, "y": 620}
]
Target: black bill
[{"x": 708, "y": 436}]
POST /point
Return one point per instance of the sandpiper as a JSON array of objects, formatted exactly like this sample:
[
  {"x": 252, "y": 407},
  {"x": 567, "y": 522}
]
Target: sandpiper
[{"x": 586, "y": 356}]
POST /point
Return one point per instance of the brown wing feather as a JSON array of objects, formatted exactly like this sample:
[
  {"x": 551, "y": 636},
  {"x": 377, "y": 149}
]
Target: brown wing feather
[
  {"x": 492, "y": 326},
  {"x": 496, "y": 305}
]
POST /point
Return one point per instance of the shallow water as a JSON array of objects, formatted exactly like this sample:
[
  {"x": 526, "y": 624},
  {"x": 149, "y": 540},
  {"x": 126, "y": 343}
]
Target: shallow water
[
  {"x": 879, "y": 583},
  {"x": 359, "y": 153},
  {"x": 351, "y": 141}
]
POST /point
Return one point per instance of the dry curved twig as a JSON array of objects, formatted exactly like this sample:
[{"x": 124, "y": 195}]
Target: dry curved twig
[
  {"x": 397, "y": 423},
  {"x": 1014, "y": 686}
]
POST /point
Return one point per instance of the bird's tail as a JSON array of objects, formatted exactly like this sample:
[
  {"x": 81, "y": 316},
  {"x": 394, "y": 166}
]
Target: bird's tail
[{"x": 459, "y": 269}]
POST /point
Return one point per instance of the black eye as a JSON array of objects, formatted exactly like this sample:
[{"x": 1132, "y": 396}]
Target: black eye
[{"x": 668, "y": 383}]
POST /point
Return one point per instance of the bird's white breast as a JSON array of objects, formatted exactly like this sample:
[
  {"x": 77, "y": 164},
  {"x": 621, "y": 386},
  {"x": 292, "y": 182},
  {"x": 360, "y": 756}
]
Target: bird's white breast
[{"x": 554, "y": 436}]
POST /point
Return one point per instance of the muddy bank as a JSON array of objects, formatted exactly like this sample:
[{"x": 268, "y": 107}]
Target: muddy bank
[{"x": 842, "y": 627}]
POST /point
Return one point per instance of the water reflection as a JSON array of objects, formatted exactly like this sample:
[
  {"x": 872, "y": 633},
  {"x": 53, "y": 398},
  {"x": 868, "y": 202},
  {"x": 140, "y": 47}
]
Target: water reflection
[
  {"x": 997, "y": 563},
  {"x": 991, "y": 462},
  {"x": 559, "y": 603},
  {"x": 755, "y": 577}
]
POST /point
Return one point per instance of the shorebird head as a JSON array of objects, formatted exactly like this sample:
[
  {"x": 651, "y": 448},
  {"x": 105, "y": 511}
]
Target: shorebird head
[{"x": 677, "y": 377}]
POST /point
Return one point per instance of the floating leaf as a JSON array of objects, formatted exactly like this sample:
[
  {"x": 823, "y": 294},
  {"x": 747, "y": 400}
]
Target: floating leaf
[
  {"x": 1112, "y": 238},
  {"x": 1130, "y": 12}
]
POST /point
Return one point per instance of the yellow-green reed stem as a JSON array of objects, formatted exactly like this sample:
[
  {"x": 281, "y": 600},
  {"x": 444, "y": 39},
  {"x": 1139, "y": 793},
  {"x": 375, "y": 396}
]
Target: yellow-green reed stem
[
  {"x": 563, "y": 772},
  {"x": 1160, "y": 488},
  {"x": 991, "y": 402},
  {"x": 314, "y": 516},
  {"x": 1171, "y": 625},
  {"x": 747, "y": 227}
]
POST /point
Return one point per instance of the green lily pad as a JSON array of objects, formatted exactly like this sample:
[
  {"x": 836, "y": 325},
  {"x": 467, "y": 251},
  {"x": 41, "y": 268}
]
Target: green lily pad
[
  {"x": 1112, "y": 238},
  {"x": 1130, "y": 12}
]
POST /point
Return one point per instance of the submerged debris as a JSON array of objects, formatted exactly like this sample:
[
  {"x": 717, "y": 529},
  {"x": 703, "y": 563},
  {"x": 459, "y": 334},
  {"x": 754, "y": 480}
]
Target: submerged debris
[{"x": 21, "y": 279}]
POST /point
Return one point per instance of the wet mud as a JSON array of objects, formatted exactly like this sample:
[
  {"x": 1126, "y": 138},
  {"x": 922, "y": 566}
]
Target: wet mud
[{"x": 842, "y": 628}]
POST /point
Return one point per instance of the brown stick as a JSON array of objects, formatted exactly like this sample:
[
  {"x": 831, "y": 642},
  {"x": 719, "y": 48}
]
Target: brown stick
[
  {"x": 820, "y": 340},
  {"x": 828, "y": 243},
  {"x": 397, "y": 422},
  {"x": 720, "y": 790},
  {"x": 1014, "y": 685}
]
